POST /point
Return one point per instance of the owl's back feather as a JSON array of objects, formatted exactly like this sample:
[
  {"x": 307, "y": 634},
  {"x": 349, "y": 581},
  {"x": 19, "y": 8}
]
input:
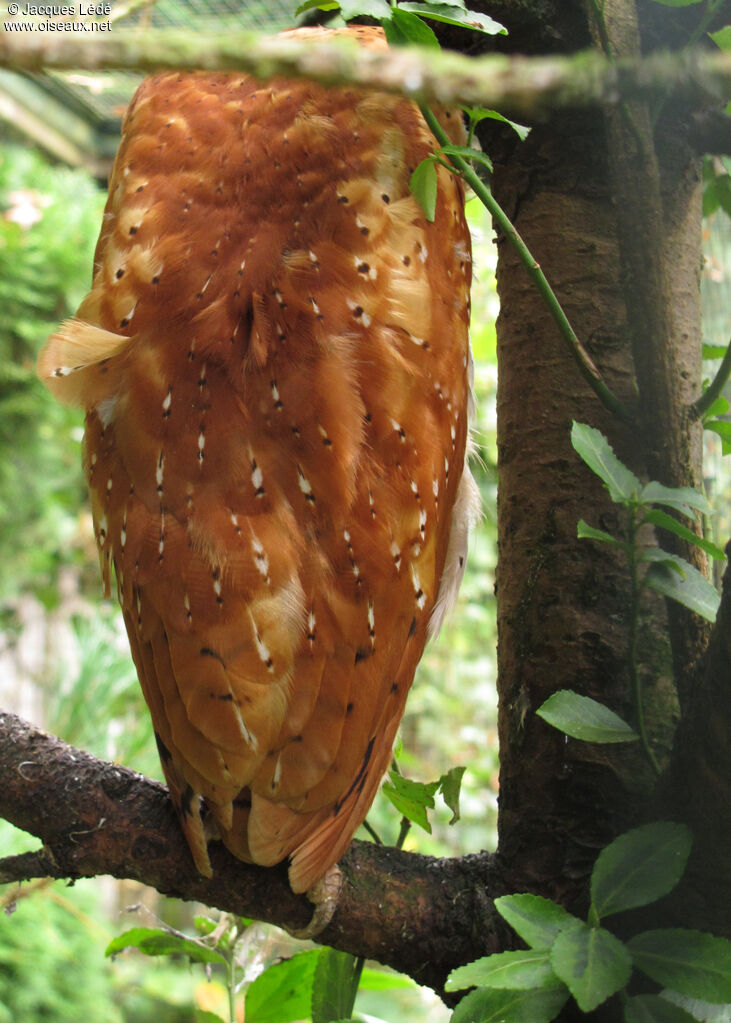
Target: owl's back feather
[{"x": 273, "y": 359}]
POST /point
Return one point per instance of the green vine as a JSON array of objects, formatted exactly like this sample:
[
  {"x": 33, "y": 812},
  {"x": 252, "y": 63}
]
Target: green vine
[{"x": 583, "y": 360}]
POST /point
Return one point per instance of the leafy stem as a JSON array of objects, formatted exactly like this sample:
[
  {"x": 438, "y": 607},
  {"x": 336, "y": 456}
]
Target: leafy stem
[
  {"x": 569, "y": 956},
  {"x": 403, "y": 832},
  {"x": 704, "y": 24},
  {"x": 635, "y": 596},
  {"x": 372, "y": 832},
  {"x": 650, "y": 567},
  {"x": 231, "y": 985},
  {"x": 714, "y": 389},
  {"x": 584, "y": 361}
]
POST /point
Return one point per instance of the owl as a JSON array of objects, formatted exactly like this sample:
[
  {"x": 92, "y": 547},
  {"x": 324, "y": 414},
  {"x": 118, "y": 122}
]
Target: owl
[{"x": 273, "y": 361}]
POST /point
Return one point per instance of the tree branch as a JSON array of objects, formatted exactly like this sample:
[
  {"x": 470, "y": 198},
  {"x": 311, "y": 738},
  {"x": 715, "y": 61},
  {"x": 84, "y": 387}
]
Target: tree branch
[
  {"x": 710, "y": 132},
  {"x": 524, "y": 87},
  {"x": 97, "y": 818}
]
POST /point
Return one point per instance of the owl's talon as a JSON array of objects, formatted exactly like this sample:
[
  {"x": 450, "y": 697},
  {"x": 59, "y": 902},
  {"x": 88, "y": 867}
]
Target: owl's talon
[{"x": 324, "y": 895}]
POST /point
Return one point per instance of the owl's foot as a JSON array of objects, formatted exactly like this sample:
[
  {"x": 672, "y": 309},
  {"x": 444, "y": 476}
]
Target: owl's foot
[{"x": 324, "y": 895}]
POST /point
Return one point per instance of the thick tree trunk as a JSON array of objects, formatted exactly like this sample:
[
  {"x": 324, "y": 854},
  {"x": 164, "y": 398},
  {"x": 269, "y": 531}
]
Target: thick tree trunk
[
  {"x": 563, "y": 603},
  {"x": 613, "y": 217}
]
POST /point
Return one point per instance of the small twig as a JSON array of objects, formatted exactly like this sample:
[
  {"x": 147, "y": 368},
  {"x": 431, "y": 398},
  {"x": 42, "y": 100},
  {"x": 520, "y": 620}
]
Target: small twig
[
  {"x": 39, "y": 863},
  {"x": 9, "y": 899},
  {"x": 372, "y": 832},
  {"x": 635, "y": 681},
  {"x": 714, "y": 389},
  {"x": 584, "y": 361},
  {"x": 403, "y": 832}
]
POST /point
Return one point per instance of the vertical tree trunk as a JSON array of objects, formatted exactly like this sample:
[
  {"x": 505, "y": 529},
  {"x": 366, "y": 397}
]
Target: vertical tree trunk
[{"x": 564, "y": 603}]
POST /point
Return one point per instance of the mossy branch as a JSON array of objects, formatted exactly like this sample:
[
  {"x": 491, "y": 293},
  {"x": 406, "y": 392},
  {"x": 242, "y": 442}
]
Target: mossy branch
[
  {"x": 526, "y": 87},
  {"x": 97, "y": 818}
]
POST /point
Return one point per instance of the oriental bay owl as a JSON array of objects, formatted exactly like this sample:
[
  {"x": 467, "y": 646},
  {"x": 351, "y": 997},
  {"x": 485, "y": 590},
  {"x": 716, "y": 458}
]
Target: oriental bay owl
[{"x": 273, "y": 360}]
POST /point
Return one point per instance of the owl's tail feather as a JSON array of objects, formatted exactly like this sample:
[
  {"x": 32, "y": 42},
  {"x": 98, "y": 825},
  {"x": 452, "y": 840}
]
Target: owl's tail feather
[
  {"x": 188, "y": 808},
  {"x": 318, "y": 842},
  {"x": 73, "y": 363},
  {"x": 314, "y": 856}
]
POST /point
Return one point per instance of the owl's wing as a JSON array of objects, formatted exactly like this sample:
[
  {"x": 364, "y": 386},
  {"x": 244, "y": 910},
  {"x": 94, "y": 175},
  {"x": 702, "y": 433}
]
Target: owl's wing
[{"x": 273, "y": 358}]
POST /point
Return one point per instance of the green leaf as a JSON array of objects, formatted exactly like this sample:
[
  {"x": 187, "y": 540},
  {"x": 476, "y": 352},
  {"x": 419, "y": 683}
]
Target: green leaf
[
  {"x": 524, "y": 970},
  {"x": 697, "y": 1009},
  {"x": 683, "y": 499},
  {"x": 156, "y": 942},
  {"x": 455, "y": 16},
  {"x": 411, "y": 798},
  {"x": 384, "y": 980},
  {"x": 467, "y": 153},
  {"x": 312, "y": 5},
  {"x": 411, "y": 29},
  {"x": 722, "y": 187},
  {"x": 538, "y": 921},
  {"x": 720, "y": 426},
  {"x": 586, "y": 532},
  {"x": 376, "y": 9},
  {"x": 204, "y": 1016},
  {"x": 723, "y": 429},
  {"x": 725, "y": 439},
  {"x": 591, "y": 962},
  {"x": 487, "y": 1005},
  {"x": 477, "y": 114},
  {"x": 283, "y": 993},
  {"x": 423, "y": 186},
  {"x": 665, "y": 521},
  {"x": 713, "y": 351},
  {"x": 718, "y": 408},
  {"x": 335, "y": 986},
  {"x": 584, "y": 718},
  {"x": 691, "y": 962},
  {"x": 722, "y": 38},
  {"x": 657, "y": 556},
  {"x": 711, "y": 199},
  {"x": 639, "y": 867},
  {"x": 451, "y": 3},
  {"x": 653, "y": 1009},
  {"x": 204, "y": 925},
  {"x": 693, "y": 590},
  {"x": 594, "y": 448},
  {"x": 678, "y": 3},
  {"x": 450, "y": 785}
]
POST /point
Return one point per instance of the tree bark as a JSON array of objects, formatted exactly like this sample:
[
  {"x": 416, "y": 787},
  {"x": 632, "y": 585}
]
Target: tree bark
[
  {"x": 615, "y": 226},
  {"x": 563, "y": 603},
  {"x": 423, "y": 916}
]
